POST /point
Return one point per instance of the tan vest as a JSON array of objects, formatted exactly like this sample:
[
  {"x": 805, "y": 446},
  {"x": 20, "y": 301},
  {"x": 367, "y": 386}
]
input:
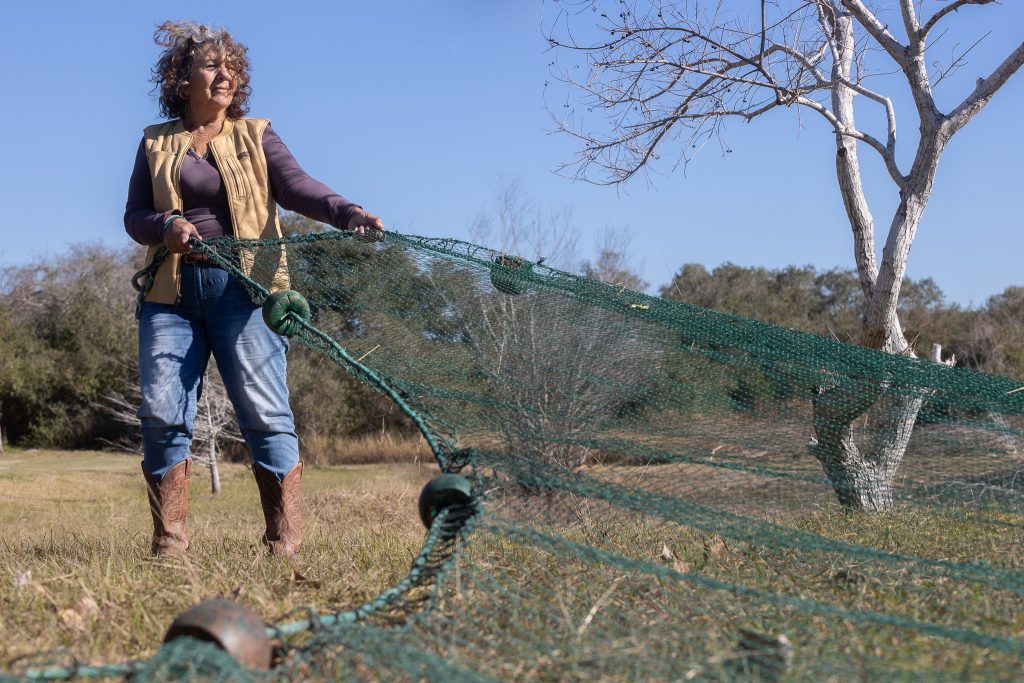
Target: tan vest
[{"x": 238, "y": 152}]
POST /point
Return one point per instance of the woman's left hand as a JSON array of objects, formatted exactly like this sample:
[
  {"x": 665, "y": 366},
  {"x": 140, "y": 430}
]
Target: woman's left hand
[{"x": 363, "y": 222}]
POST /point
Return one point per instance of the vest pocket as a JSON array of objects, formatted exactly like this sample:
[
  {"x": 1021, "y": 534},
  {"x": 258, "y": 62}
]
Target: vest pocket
[
  {"x": 237, "y": 176},
  {"x": 161, "y": 165}
]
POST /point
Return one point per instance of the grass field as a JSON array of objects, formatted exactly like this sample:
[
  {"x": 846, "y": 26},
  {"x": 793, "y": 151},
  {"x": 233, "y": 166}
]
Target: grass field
[
  {"x": 75, "y": 569},
  {"x": 75, "y": 574}
]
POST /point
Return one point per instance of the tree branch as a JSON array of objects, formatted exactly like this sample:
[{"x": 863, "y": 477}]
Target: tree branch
[
  {"x": 890, "y": 111},
  {"x": 887, "y": 158},
  {"x": 959, "y": 61},
  {"x": 951, "y": 7},
  {"x": 983, "y": 92},
  {"x": 896, "y": 49},
  {"x": 910, "y": 23}
]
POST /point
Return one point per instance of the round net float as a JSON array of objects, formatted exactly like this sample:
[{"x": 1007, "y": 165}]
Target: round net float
[
  {"x": 282, "y": 309},
  {"x": 234, "y": 628},
  {"x": 441, "y": 492},
  {"x": 508, "y": 273}
]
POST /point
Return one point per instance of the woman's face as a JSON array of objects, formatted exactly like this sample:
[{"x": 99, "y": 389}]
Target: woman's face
[{"x": 211, "y": 83}]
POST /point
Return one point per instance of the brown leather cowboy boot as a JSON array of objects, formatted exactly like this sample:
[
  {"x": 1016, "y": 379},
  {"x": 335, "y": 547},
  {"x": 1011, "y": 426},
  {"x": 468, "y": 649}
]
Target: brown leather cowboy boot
[
  {"x": 282, "y": 509},
  {"x": 168, "y": 503}
]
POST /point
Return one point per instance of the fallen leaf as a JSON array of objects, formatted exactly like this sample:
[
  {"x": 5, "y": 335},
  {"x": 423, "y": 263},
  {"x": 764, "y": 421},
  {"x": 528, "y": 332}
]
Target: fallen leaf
[
  {"x": 300, "y": 580},
  {"x": 669, "y": 558},
  {"x": 87, "y": 607},
  {"x": 715, "y": 547},
  {"x": 72, "y": 620},
  {"x": 21, "y": 580},
  {"x": 666, "y": 553}
]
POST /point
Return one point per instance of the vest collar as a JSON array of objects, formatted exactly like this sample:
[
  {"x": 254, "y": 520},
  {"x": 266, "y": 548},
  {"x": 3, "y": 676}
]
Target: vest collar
[{"x": 179, "y": 128}]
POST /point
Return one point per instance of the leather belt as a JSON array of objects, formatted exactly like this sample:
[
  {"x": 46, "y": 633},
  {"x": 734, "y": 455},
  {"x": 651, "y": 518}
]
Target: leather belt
[{"x": 198, "y": 257}]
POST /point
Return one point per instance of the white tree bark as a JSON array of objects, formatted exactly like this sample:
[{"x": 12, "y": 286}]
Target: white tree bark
[
  {"x": 212, "y": 449},
  {"x": 865, "y": 480},
  {"x": 851, "y": 187}
]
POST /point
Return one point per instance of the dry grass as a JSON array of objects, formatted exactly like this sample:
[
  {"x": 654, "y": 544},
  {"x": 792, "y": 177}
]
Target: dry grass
[
  {"x": 646, "y": 627},
  {"x": 384, "y": 447},
  {"x": 75, "y": 571}
]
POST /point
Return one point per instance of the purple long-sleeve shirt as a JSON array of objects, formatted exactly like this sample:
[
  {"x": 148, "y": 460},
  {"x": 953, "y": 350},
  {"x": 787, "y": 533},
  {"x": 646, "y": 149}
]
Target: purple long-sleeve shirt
[{"x": 206, "y": 201}]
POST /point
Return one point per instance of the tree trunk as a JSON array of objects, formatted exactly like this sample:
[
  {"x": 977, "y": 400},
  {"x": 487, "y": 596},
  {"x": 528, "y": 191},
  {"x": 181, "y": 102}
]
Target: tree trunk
[
  {"x": 214, "y": 471},
  {"x": 1, "y": 427},
  {"x": 863, "y": 481}
]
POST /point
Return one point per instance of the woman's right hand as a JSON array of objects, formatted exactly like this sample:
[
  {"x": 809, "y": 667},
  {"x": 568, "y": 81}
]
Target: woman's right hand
[
  {"x": 366, "y": 224},
  {"x": 177, "y": 236}
]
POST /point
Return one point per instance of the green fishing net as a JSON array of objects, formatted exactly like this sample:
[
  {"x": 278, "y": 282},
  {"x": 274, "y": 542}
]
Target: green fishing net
[{"x": 653, "y": 491}]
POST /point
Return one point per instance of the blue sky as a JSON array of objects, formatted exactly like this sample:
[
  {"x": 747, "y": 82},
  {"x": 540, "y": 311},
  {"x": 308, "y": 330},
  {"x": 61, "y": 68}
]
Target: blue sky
[{"x": 418, "y": 109}]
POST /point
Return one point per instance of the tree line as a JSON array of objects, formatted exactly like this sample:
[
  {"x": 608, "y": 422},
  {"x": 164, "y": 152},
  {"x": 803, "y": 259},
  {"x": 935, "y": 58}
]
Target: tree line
[
  {"x": 69, "y": 359},
  {"x": 68, "y": 338},
  {"x": 989, "y": 338}
]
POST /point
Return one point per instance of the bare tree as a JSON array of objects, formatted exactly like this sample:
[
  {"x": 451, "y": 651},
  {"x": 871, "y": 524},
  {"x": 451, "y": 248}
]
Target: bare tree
[
  {"x": 613, "y": 263},
  {"x": 215, "y": 422},
  {"x": 676, "y": 71},
  {"x": 557, "y": 383},
  {"x": 515, "y": 224}
]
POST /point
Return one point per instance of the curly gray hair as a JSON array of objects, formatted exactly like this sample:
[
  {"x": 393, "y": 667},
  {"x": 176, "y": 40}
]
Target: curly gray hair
[{"x": 183, "y": 41}]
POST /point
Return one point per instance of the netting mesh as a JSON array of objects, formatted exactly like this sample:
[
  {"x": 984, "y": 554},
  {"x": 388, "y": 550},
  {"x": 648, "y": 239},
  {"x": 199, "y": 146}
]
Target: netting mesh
[{"x": 662, "y": 492}]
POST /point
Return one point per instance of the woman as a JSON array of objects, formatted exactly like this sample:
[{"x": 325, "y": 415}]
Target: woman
[{"x": 207, "y": 172}]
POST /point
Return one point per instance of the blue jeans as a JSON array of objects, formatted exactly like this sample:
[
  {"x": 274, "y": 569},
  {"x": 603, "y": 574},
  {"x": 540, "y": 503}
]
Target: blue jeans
[{"x": 214, "y": 315}]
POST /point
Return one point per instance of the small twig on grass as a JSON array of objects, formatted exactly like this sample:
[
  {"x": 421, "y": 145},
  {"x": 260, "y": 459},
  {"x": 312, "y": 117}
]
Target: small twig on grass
[
  {"x": 360, "y": 359},
  {"x": 642, "y": 473},
  {"x": 597, "y": 606}
]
